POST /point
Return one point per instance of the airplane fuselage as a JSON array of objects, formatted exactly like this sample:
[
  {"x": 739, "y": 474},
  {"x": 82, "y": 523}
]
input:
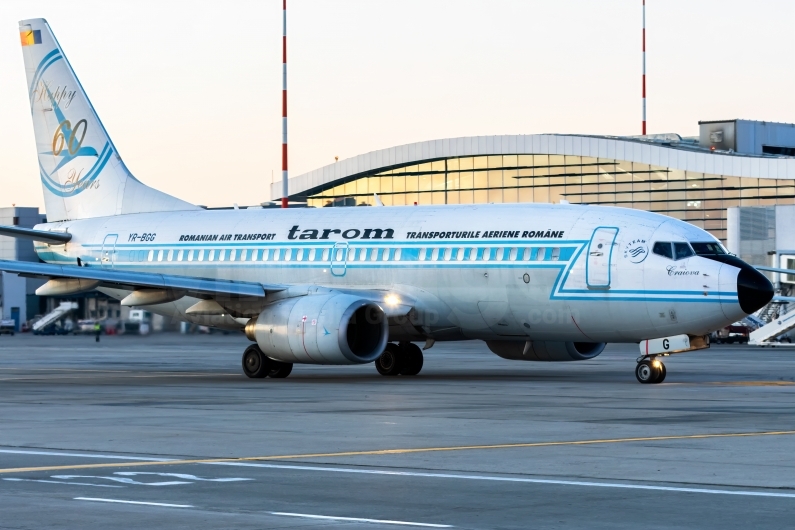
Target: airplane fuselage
[{"x": 518, "y": 272}]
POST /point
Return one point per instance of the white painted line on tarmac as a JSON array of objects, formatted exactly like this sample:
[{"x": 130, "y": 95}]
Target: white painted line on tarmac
[
  {"x": 97, "y": 499},
  {"x": 360, "y": 520},
  {"x": 62, "y": 482},
  {"x": 84, "y": 455},
  {"x": 647, "y": 487}
]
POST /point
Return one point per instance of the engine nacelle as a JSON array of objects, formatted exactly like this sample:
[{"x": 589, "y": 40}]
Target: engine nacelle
[
  {"x": 551, "y": 351},
  {"x": 321, "y": 329}
]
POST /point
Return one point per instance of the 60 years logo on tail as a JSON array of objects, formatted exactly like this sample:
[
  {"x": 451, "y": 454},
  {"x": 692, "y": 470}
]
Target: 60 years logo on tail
[{"x": 636, "y": 250}]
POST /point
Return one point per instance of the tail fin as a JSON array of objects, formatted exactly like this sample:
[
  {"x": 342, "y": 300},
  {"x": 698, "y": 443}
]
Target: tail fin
[{"x": 82, "y": 174}]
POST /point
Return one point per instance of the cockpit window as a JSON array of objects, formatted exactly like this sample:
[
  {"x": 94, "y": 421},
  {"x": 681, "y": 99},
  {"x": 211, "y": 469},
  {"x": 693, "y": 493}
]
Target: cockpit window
[
  {"x": 663, "y": 249},
  {"x": 682, "y": 251},
  {"x": 708, "y": 248},
  {"x": 675, "y": 251}
]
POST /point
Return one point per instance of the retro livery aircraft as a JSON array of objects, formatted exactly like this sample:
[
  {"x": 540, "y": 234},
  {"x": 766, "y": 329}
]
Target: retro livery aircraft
[{"x": 536, "y": 282}]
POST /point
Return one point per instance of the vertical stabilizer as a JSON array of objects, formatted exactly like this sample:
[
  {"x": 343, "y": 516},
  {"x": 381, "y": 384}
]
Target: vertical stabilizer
[{"x": 81, "y": 172}]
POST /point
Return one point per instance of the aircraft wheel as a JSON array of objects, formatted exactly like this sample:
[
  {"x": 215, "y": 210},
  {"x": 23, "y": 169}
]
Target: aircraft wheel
[
  {"x": 255, "y": 364},
  {"x": 390, "y": 361},
  {"x": 661, "y": 377},
  {"x": 280, "y": 370},
  {"x": 412, "y": 359},
  {"x": 645, "y": 372}
]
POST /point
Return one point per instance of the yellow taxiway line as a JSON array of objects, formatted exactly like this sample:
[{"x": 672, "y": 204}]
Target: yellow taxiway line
[{"x": 395, "y": 451}]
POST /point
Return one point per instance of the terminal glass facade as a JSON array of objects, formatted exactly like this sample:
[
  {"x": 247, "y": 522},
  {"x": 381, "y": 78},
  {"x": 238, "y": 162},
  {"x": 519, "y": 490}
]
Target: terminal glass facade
[{"x": 698, "y": 198}]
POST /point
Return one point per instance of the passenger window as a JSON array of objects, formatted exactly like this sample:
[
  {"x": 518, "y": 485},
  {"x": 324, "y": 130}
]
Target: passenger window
[
  {"x": 190, "y": 255},
  {"x": 514, "y": 252},
  {"x": 555, "y": 253},
  {"x": 201, "y": 255},
  {"x": 159, "y": 255},
  {"x": 151, "y": 255},
  {"x": 500, "y": 252},
  {"x": 374, "y": 254},
  {"x": 473, "y": 254},
  {"x": 324, "y": 257},
  {"x": 170, "y": 255},
  {"x": 682, "y": 251},
  {"x": 540, "y": 254},
  {"x": 397, "y": 254},
  {"x": 663, "y": 249},
  {"x": 180, "y": 255}
]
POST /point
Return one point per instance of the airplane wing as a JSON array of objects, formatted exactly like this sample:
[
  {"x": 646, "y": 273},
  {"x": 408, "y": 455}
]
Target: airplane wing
[
  {"x": 200, "y": 287},
  {"x": 220, "y": 290}
]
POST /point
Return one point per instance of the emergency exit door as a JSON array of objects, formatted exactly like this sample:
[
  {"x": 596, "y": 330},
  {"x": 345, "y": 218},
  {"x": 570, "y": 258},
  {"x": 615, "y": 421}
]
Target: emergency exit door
[
  {"x": 339, "y": 258},
  {"x": 600, "y": 256},
  {"x": 108, "y": 254}
]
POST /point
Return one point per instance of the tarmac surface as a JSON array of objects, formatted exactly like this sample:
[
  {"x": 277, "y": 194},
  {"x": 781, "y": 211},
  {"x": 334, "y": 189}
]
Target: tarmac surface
[{"x": 166, "y": 431}]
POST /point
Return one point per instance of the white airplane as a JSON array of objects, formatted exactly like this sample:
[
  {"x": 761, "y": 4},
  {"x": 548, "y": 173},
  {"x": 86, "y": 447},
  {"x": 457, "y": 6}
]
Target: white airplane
[{"x": 536, "y": 282}]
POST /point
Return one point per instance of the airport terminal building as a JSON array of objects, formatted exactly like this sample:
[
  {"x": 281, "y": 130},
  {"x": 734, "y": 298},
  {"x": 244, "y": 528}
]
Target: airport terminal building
[{"x": 734, "y": 163}]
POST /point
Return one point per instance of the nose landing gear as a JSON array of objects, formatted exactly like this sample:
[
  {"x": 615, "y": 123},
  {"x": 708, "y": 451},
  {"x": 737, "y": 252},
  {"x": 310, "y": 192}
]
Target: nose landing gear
[{"x": 650, "y": 370}]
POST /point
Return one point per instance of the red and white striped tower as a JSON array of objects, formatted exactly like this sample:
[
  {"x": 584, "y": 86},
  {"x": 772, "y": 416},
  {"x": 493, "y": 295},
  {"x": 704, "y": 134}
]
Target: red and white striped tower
[
  {"x": 644, "y": 67},
  {"x": 284, "y": 106}
]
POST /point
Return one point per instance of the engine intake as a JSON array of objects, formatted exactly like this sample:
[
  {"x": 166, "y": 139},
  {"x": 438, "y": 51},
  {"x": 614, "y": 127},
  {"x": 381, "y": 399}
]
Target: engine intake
[
  {"x": 538, "y": 350},
  {"x": 321, "y": 329}
]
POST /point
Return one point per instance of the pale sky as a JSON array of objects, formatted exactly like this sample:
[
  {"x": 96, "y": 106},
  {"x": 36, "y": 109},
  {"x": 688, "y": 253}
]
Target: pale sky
[{"x": 190, "y": 92}]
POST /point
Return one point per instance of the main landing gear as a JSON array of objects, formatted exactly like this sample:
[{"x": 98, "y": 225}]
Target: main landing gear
[
  {"x": 403, "y": 359},
  {"x": 650, "y": 370},
  {"x": 257, "y": 365}
]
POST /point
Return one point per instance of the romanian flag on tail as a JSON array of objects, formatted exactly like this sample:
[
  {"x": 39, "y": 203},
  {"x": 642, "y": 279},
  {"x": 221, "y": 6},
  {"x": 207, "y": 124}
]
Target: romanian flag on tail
[{"x": 31, "y": 37}]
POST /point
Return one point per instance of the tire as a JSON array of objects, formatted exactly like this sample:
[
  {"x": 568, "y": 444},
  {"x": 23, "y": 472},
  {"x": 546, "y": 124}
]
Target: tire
[
  {"x": 645, "y": 373},
  {"x": 661, "y": 376},
  {"x": 255, "y": 364},
  {"x": 390, "y": 361},
  {"x": 412, "y": 359},
  {"x": 280, "y": 370}
]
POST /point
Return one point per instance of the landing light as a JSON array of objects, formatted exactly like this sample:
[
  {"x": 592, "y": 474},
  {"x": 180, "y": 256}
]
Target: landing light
[
  {"x": 656, "y": 363},
  {"x": 392, "y": 299}
]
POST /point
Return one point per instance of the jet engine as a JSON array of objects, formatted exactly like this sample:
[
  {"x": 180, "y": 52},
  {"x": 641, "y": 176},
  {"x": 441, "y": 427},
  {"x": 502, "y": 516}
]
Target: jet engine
[
  {"x": 321, "y": 329},
  {"x": 552, "y": 351}
]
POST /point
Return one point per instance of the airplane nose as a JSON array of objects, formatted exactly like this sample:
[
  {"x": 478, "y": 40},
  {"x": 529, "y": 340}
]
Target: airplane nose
[{"x": 754, "y": 290}]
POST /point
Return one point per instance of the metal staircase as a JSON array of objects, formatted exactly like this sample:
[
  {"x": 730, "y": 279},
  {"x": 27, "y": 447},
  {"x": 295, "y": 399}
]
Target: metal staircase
[{"x": 53, "y": 316}]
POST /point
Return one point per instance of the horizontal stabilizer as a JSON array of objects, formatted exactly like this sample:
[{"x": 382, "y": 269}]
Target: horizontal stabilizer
[{"x": 53, "y": 238}]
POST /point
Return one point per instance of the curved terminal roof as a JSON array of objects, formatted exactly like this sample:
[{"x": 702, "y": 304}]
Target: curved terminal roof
[{"x": 664, "y": 151}]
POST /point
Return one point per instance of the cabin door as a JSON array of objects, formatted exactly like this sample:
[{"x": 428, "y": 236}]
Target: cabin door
[{"x": 600, "y": 256}]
